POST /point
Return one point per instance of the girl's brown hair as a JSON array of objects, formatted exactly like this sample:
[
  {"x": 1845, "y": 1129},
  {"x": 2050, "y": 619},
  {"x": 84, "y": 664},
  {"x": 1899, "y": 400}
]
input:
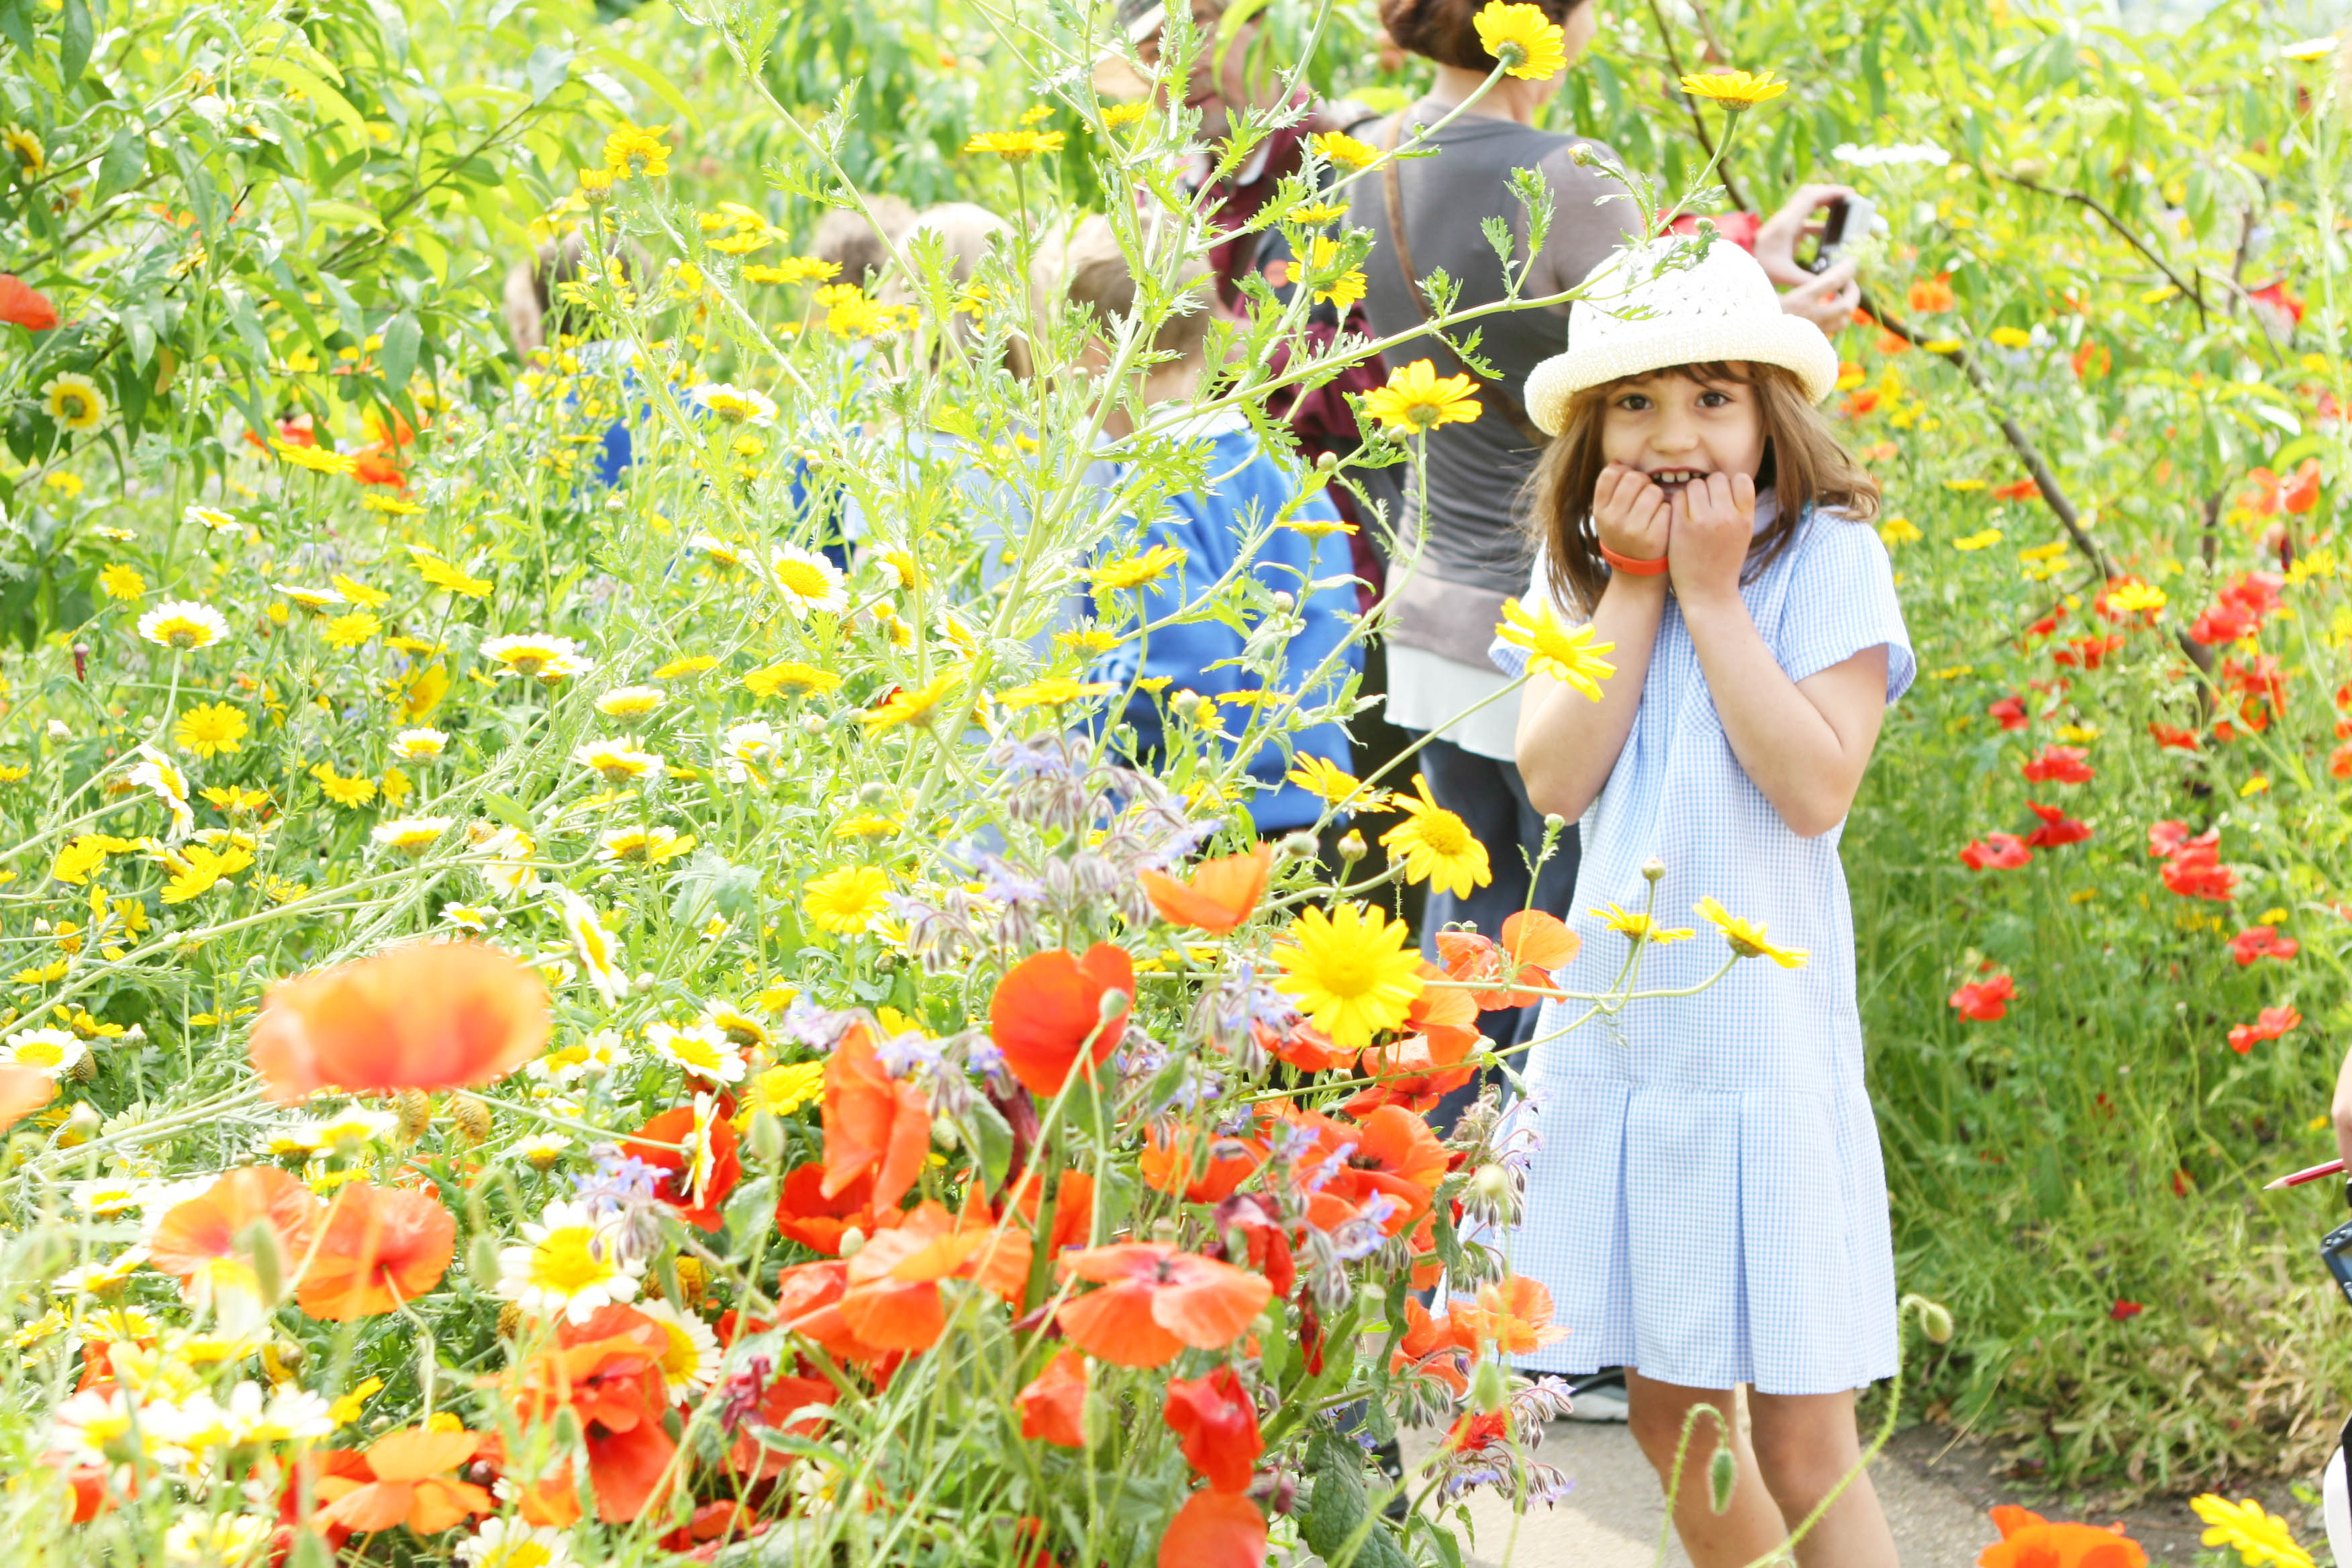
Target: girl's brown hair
[{"x": 1803, "y": 465}]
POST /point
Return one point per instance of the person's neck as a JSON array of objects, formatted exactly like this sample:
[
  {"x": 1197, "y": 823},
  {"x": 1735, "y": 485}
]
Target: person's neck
[{"x": 1509, "y": 98}]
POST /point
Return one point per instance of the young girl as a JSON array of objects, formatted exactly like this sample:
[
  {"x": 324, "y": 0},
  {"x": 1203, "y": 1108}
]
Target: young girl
[{"x": 1707, "y": 1203}]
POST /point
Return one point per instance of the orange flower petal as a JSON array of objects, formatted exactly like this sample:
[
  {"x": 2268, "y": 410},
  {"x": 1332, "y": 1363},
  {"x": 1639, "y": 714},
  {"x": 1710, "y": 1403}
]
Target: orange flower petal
[
  {"x": 383, "y": 1245},
  {"x": 23, "y": 1090},
  {"x": 1214, "y": 1530},
  {"x": 427, "y": 1016},
  {"x": 1049, "y": 1008},
  {"x": 874, "y": 1127},
  {"x": 1222, "y": 893},
  {"x": 1117, "y": 1324},
  {"x": 1053, "y": 1405}
]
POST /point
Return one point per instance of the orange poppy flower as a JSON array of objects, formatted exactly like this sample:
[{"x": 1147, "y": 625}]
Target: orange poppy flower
[
  {"x": 23, "y": 1090},
  {"x": 1534, "y": 944},
  {"x": 808, "y": 1303},
  {"x": 427, "y": 1015},
  {"x": 1053, "y": 1405},
  {"x": 1432, "y": 1347},
  {"x": 1214, "y": 1530},
  {"x": 608, "y": 1370},
  {"x": 1074, "y": 1208},
  {"x": 1417, "y": 1071},
  {"x": 1216, "y": 1425},
  {"x": 2029, "y": 1540},
  {"x": 1220, "y": 895},
  {"x": 806, "y": 1212},
  {"x": 1396, "y": 1155},
  {"x": 1513, "y": 1317},
  {"x": 876, "y": 1128},
  {"x": 676, "y": 1189},
  {"x": 383, "y": 1245},
  {"x": 1304, "y": 1047},
  {"x": 754, "y": 1459},
  {"x": 892, "y": 1296},
  {"x": 412, "y": 1485},
  {"x": 377, "y": 465},
  {"x": 1056, "y": 1008},
  {"x": 1155, "y": 1301},
  {"x": 22, "y": 305},
  {"x": 1170, "y": 1157},
  {"x": 201, "y": 1240}
]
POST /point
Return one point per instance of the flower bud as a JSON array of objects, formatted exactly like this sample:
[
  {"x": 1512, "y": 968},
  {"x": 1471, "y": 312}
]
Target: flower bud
[
  {"x": 482, "y": 1262},
  {"x": 1285, "y": 600},
  {"x": 1491, "y": 1184},
  {"x": 1325, "y": 462},
  {"x": 259, "y": 1242},
  {"x": 944, "y": 1134},
  {"x": 510, "y": 1320},
  {"x": 693, "y": 1280},
  {"x": 767, "y": 1137},
  {"x": 1936, "y": 1322},
  {"x": 469, "y": 1118},
  {"x": 415, "y": 1109},
  {"x": 813, "y": 725},
  {"x": 1353, "y": 847},
  {"x": 1555, "y": 823},
  {"x": 1653, "y": 868},
  {"x": 81, "y": 1127},
  {"x": 84, "y": 1068},
  {"x": 1581, "y": 155},
  {"x": 873, "y": 793},
  {"x": 1487, "y": 1389},
  {"x": 1298, "y": 845},
  {"x": 1113, "y": 1006},
  {"x": 1722, "y": 1477},
  {"x": 853, "y": 1241},
  {"x": 567, "y": 1428},
  {"x": 1164, "y": 1230}
]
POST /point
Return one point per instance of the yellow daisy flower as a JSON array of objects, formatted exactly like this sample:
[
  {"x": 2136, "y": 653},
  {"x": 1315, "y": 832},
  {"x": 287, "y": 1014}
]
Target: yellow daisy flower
[
  {"x": 1528, "y": 41},
  {"x": 1572, "y": 658},
  {"x": 1735, "y": 90},
  {"x": 210, "y": 729},
  {"x": 1353, "y": 971},
  {"x": 1417, "y": 400},
  {"x": 1746, "y": 937},
  {"x": 848, "y": 899},
  {"x": 1438, "y": 845},
  {"x": 74, "y": 402}
]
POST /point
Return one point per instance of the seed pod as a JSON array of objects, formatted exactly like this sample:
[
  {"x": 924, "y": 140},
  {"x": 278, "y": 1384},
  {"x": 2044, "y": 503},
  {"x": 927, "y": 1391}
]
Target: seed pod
[
  {"x": 1722, "y": 1477},
  {"x": 693, "y": 1280},
  {"x": 415, "y": 1109},
  {"x": 470, "y": 1117},
  {"x": 509, "y": 1321}
]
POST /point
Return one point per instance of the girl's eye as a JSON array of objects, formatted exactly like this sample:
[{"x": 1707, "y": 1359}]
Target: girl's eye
[
  {"x": 1633, "y": 403},
  {"x": 1712, "y": 399}
]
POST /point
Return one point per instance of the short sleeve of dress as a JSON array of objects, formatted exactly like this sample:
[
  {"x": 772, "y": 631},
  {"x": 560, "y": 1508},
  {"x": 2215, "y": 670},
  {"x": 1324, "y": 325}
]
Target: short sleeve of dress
[{"x": 1841, "y": 601}]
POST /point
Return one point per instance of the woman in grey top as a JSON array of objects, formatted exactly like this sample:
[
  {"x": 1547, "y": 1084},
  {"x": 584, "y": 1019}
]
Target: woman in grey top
[{"x": 1474, "y": 554}]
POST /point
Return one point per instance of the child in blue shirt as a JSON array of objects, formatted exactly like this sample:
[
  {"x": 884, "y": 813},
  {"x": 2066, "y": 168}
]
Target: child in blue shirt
[{"x": 1250, "y": 510}]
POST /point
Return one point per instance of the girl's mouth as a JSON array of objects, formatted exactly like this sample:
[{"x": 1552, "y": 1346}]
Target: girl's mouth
[{"x": 1672, "y": 480}]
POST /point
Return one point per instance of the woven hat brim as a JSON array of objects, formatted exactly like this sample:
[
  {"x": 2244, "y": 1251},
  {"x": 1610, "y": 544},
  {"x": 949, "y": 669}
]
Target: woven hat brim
[{"x": 1793, "y": 343}]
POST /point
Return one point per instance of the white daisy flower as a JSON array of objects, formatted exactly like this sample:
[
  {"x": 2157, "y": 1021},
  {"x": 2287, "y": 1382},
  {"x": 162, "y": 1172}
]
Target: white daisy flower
[
  {"x": 808, "y": 581},
  {"x": 736, "y": 404},
  {"x": 419, "y": 745},
  {"x": 571, "y": 1262},
  {"x": 600, "y": 956},
  {"x": 54, "y": 1052},
  {"x": 690, "y": 1363},
  {"x": 507, "y": 1542},
  {"x": 747, "y": 746},
  {"x": 697, "y": 1050},
  {"x": 183, "y": 625}
]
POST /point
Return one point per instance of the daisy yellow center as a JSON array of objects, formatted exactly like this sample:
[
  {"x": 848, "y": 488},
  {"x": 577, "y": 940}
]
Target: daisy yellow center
[
  {"x": 569, "y": 1261},
  {"x": 41, "y": 1053},
  {"x": 802, "y": 578},
  {"x": 680, "y": 1357},
  {"x": 521, "y": 1554},
  {"x": 631, "y": 847},
  {"x": 179, "y": 632},
  {"x": 1443, "y": 832},
  {"x": 694, "y": 1051}
]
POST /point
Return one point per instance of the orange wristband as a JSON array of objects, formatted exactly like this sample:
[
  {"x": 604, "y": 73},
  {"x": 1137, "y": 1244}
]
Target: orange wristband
[{"x": 1632, "y": 567}]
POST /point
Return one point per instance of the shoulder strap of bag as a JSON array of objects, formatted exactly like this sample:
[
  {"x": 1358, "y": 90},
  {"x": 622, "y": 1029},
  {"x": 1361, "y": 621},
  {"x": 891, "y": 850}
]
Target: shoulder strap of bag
[{"x": 1393, "y": 189}]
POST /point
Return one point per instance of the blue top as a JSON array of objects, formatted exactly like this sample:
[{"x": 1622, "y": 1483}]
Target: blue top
[
  {"x": 1706, "y": 1203},
  {"x": 1247, "y": 492}
]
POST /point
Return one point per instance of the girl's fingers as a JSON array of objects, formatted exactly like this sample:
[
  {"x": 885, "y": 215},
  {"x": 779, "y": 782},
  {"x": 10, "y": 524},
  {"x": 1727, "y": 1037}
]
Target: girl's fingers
[{"x": 1743, "y": 493}]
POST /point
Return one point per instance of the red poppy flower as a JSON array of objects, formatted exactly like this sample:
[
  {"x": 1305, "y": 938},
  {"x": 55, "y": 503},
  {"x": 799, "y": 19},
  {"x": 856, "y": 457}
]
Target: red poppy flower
[
  {"x": 1054, "y": 1010},
  {"x": 22, "y": 305},
  {"x": 1053, "y": 1407},
  {"x": 2174, "y": 736},
  {"x": 608, "y": 1370},
  {"x": 2029, "y": 1540},
  {"x": 807, "y": 1215},
  {"x": 1220, "y": 896},
  {"x": 2059, "y": 765},
  {"x": 2276, "y": 298},
  {"x": 1417, "y": 1071},
  {"x": 2268, "y": 1025},
  {"x": 382, "y": 1245},
  {"x": 23, "y": 1090},
  {"x": 1395, "y": 1156},
  {"x": 754, "y": 1459},
  {"x": 2010, "y": 712},
  {"x": 2197, "y": 872},
  {"x": 1860, "y": 405},
  {"x": 427, "y": 1016},
  {"x": 2057, "y": 828},
  {"x": 1534, "y": 944},
  {"x": 1433, "y": 1347},
  {"x": 877, "y": 1129},
  {"x": 701, "y": 1210},
  {"x": 1995, "y": 852},
  {"x": 2257, "y": 943},
  {"x": 2223, "y": 624},
  {"x": 1985, "y": 1001},
  {"x": 412, "y": 1485},
  {"x": 1214, "y": 1530},
  {"x": 379, "y": 465},
  {"x": 1155, "y": 1300},
  {"x": 2018, "y": 490},
  {"x": 891, "y": 1298},
  {"x": 1929, "y": 296},
  {"x": 1515, "y": 1317},
  {"x": 1304, "y": 1047},
  {"x": 204, "y": 1240},
  {"x": 2339, "y": 766},
  {"x": 2124, "y": 1312},
  {"x": 2088, "y": 653},
  {"x": 1216, "y": 1425}
]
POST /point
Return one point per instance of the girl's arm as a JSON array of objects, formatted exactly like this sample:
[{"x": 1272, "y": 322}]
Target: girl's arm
[
  {"x": 1804, "y": 744},
  {"x": 1566, "y": 744}
]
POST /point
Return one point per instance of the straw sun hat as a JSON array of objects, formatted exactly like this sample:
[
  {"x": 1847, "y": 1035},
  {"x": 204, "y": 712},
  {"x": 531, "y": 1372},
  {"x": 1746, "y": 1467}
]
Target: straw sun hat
[{"x": 1650, "y": 309}]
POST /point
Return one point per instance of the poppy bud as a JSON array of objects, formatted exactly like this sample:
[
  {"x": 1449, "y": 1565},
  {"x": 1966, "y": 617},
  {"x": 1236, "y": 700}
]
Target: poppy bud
[
  {"x": 1112, "y": 1006},
  {"x": 1936, "y": 1322},
  {"x": 567, "y": 1426},
  {"x": 259, "y": 1240},
  {"x": 1487, "y": 1391},
  {"x": 482, "y": 1261},
  {"x": 1722, "y": 1475},
  {"x": 767, "y": 1137}
]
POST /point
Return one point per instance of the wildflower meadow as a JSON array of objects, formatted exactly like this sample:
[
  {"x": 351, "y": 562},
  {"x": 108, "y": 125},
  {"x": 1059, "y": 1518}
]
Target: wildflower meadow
[{"x": 612, "y": 952}]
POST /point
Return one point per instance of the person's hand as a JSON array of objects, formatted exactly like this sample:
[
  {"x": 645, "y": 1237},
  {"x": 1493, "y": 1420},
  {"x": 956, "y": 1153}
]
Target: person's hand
[
  {"x": 1630, "y": 514},
  {"x": 1827, "y": 299},
  {"x": 1712, "y": 524},
  {"x": 1776, "y": 236}
]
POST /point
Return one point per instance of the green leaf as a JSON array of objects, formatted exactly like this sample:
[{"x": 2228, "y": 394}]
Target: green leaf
[
  {"x": 323, "y": 99},
  {"x": 1338, "y": 1509},
  {"x": 397, "y": 358},
  {"x": 507, "y": 810},
  {"x": 15, "y": 25},
  {"x": 350, "y": 213},
  {"x": 660, "y": 86},
  {"x": 74, "y": 41},
  {"x": 991, "y": 1138},
  {"x": 548, "y": 69},
  {"x": 125, "y": 161}
]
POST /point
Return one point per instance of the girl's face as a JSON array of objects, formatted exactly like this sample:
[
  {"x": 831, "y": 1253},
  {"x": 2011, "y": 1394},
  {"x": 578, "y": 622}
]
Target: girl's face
[{"x": 1676, "y": 430}]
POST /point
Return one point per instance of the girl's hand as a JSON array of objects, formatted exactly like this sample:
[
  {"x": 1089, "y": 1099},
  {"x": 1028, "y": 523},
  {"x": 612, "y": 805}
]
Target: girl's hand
[
  {"x": 1713, "y": 519},
  {"x": 1630, "y": 514}
]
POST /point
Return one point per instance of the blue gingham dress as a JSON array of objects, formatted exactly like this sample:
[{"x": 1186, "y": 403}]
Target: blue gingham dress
[{"x": 1706, "y": 1202}]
